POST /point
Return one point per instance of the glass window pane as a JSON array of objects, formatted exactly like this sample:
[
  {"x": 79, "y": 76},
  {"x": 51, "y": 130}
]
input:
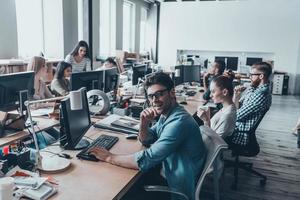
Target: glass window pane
[
  {"x": 29, "y": 27},
  {"x": 143, "y": 29},
  {"x": 107, "y": 27},
  {"x": 128, "y": 26}
]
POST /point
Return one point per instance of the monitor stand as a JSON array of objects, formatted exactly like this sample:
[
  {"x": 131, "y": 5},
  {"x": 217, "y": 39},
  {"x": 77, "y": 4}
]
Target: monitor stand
[{"x": 82, "y": 144}]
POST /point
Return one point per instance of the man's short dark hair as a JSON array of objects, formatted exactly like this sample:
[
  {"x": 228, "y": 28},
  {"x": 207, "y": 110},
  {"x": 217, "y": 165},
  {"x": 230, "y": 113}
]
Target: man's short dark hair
[
  {"x": 161, "y": 79},
  {"x": 221, "y": 66},
  {"x": 264, "y": 67}
]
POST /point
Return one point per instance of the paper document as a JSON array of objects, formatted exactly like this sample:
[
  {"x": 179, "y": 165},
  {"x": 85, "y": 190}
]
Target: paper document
[{"x": 121, "y": 122}]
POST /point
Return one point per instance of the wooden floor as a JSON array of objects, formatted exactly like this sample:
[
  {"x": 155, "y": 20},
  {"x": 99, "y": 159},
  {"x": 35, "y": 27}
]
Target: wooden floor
[{"x": 279, "y": 159}]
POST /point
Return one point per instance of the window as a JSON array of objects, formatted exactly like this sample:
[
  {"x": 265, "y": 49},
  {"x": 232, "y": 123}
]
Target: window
[
  {"x": 107, "y": 29},
  {"x": 29, "y": 27},
  {"x": 143, "y": 29},
  {"x": 128, "y": 26},
  {"x": 41, "y": 30},
  {"x": 80, "y": 19}
]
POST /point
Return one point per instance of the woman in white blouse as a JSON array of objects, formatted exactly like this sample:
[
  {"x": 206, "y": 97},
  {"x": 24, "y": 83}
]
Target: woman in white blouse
[
  {"x": 223, "y": 122},
  {"x": 79, "y": 58}
]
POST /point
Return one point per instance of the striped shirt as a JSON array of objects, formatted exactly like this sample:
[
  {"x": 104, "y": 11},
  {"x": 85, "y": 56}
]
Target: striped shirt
[
  {"x": 84, "y": 65},
  {"x": 255, "y": 103}
]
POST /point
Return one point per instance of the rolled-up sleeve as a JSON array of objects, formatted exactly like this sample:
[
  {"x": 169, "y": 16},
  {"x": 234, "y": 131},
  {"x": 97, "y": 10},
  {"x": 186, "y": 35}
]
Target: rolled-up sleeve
[{"x": 169, "y": 140}]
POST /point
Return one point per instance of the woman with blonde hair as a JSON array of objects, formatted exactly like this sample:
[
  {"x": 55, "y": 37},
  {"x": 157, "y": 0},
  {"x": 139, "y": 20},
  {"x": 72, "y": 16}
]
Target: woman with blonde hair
[{"x": 38, "y": 66}]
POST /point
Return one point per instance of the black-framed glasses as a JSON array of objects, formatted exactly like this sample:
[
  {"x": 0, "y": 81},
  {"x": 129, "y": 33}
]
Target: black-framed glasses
[
  {"x": 255, "y": 74},
  {"x": 157, "y": 94}
]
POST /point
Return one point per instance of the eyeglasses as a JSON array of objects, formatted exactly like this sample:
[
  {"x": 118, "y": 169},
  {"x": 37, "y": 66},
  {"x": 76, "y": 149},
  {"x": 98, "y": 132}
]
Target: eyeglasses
[
  {"x": 157, "y": 94},
  {"x": 255, "y": 74}
]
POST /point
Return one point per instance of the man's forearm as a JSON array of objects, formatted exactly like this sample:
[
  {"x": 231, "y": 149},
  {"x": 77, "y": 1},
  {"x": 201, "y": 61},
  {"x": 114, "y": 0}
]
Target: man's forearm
[
  {"x": 126, "y": 161},
  {"x": 143, "y": 134},
  {"x": 236, "y": 101}
]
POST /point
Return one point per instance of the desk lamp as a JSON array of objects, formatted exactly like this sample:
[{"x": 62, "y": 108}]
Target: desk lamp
[{"x": 54, "y": 163}]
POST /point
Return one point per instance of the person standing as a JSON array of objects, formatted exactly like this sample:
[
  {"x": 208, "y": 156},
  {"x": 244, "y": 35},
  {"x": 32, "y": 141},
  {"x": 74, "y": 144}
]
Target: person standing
[{"x": 79, "y": 58}]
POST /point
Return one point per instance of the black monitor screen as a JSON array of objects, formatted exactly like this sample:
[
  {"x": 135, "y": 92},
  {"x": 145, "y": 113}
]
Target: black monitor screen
[
  {"x": 139, "y": 71},
  {"x": 187, "y": 73},
  {"x": 10, "y": 87},
  {"x": 251, "y": 61},
  {"x": 90, "y": 80},
  {"x": 232, "y": 63},
  {"x": 191, "y": 73},
  {"x": 111, "y": 79},
  {"x": 75, "y": 123}
]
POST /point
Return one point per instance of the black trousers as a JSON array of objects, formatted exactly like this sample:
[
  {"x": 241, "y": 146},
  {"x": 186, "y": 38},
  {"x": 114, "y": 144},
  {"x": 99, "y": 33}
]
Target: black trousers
[{"x": 151, "y": 177}]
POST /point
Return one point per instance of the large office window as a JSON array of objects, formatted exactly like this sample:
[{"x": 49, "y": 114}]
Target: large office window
[
  {"x": 128, "y": 26},
  {"x": 107, "y": 29},
  {"x": 143, "y": 30},
  {"x": 40, "y": 28},
  {"x": 80, "y": 19}
]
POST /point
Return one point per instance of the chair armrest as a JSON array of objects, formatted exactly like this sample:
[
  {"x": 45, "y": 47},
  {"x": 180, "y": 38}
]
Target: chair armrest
[{"x": 160, "y": 188}]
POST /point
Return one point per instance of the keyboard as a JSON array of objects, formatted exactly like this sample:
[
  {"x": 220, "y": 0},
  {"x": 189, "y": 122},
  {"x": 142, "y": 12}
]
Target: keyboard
[{"x": 103, "y": 141}]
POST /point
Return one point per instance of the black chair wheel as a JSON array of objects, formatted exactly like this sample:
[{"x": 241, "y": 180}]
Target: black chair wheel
[{"x": 263, "y": 182}]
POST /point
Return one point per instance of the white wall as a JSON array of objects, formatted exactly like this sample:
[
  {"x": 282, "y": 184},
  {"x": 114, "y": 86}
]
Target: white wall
[{"x": 254, "y": 26}]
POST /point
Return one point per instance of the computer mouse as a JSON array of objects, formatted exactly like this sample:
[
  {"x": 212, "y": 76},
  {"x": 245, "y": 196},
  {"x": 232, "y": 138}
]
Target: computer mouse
[
  {"x": 64, "y": 155},
  {"x": 201, "y": 90},
  {"x": 132, "y": 136}
]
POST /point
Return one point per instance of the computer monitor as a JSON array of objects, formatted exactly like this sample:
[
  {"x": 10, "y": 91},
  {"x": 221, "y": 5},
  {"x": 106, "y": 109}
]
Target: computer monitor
[
  {"x": 90, "y": 80},
  {"x": 139, "y": 71},
  {"x": 250, "y": 61},
  {"x": 230, "y": 62},
  {"x": 191, "y": 73},
  {"x": 187, "y": 73},
  {"x": 15, "y": 89},
  {"x": 74, "y": 123},
  {"x": 111, "y": 79}
]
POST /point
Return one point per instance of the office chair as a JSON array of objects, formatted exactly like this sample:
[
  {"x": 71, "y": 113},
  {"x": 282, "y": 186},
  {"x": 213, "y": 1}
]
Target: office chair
[
  {"x": 214, "y": 145},
  {"x": 249, "y": 150}
]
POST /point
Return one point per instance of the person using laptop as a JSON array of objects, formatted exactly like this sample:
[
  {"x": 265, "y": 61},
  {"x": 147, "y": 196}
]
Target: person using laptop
[{"x": 175, "y": 140}]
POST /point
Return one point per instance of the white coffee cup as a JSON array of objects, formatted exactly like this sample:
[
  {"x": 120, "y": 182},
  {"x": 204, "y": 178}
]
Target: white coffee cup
[
  {"x": 6, "y": 188},
  {"x": 203, "y": 107}
]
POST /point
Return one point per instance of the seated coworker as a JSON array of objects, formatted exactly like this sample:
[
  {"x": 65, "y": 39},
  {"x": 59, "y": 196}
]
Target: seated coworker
[
  {"x": 223, "y": 122},
  {"x": 176, "y": 139},
  {"x": 108, "y": 64},
  {"x": 215, "y": 70},
  {"x": 252, "y": 105},
  {"x": 60, "y": 85},
  {"x": 37, "y": 65}
]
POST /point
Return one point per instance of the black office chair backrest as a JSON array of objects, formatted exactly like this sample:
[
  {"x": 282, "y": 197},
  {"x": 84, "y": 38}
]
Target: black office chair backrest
[{"x": 252, "y": 148}]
